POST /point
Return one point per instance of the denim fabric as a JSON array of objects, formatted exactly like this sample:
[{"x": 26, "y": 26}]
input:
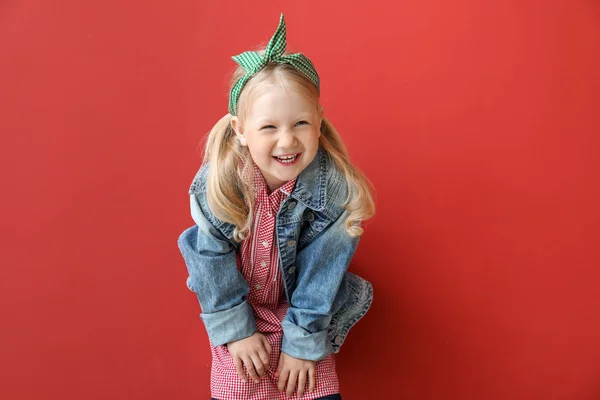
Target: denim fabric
[{"x": 314, "y": 253}]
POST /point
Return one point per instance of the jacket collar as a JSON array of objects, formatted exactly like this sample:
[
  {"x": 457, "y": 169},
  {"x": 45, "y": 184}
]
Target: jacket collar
[{"x": 310, "y": 188}]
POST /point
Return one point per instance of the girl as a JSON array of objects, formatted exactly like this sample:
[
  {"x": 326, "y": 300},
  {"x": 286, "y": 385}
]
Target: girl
[{"x": 278, "y": 207}]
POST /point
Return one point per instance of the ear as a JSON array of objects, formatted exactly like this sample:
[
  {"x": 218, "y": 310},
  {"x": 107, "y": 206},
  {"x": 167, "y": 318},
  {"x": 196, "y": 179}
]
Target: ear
[
  {"x": 236, "y": 124},
  {"x": 320, "y": 111}
]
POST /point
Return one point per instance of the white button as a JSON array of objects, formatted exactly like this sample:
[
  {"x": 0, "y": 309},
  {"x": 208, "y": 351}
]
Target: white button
[
  {"x": 263, "y": 264},
  {"x": 188, "y": 282},
  {"x": 338, "y": 340},
  {"x": 291, "y": 243},
  {"x": 292, "y": 205},
  {"x": 265, "y": 243},
  {"x": 257, "y": 287},
  {"x": 291, "y": 270}
]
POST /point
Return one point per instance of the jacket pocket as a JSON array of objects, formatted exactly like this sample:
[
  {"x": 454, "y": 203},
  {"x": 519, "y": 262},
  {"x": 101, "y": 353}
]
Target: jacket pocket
[{"x": 360, "y": 297}]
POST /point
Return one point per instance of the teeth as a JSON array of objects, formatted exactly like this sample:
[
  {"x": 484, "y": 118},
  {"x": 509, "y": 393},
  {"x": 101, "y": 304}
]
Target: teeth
[{"x": 287, "y": 159}]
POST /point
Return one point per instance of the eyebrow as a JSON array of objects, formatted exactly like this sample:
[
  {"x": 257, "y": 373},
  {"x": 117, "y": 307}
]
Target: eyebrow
[{"x": 266, "y": 120}]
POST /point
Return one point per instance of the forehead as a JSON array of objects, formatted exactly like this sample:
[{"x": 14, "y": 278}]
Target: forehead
[{"x": 275, "y": 101}]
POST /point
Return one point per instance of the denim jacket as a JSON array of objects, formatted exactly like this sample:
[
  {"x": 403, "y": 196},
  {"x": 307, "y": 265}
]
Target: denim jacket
[{"x": 325, "y": 300}]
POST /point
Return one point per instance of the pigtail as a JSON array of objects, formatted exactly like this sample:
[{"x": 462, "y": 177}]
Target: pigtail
[
  {"x": 359, "y": 201},
  {"x": 229, "y": 194}
]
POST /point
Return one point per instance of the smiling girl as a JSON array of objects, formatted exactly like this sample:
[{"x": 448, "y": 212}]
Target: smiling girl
[{"x": 277, "y": 207}]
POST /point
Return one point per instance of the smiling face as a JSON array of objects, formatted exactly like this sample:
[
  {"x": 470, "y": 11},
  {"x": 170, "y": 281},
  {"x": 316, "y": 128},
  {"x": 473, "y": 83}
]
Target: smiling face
[{"x": 281, "y": 128}]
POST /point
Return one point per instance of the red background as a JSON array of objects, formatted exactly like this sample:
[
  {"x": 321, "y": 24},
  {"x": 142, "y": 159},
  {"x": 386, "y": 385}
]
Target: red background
[{"x": 478, "y": 123}]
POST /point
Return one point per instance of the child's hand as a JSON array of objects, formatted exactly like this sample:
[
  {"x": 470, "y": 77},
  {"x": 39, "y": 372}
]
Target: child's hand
[
  {"x": 292, "y": 370},
  {"x": 253, "y": 352}
]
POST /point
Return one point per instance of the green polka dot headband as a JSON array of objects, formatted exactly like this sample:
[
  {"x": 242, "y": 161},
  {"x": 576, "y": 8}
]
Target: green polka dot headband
[{"x": 252, "y": 62}]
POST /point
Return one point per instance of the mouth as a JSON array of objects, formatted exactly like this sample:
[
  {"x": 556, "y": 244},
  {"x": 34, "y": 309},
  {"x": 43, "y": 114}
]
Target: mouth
[{"x": 287, "y": 159}]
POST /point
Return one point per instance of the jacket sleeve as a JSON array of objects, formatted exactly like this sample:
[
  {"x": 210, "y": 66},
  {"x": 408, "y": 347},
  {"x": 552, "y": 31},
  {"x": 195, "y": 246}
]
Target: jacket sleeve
[
  {"x": 213, "y": 275},
  {"x": 321, "y": 267}
]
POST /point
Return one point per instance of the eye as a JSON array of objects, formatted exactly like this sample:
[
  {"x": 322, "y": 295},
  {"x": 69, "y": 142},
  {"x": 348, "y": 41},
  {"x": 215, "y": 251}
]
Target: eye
[
  {"x": 268, "y": 127},
  {"x": 302, "y": 123}
]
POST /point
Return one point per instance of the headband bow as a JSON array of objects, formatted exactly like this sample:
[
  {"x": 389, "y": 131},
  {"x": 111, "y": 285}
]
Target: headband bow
[{"x": 252, "y": 62}]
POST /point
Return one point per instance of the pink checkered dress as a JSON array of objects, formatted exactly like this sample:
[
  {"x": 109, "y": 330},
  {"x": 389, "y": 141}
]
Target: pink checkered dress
[{"x": 259, "y": 263}]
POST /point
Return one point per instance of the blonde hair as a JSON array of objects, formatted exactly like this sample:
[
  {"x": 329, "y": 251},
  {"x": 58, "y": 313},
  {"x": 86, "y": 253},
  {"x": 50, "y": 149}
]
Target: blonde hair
[{"x": 230, "y": 190}]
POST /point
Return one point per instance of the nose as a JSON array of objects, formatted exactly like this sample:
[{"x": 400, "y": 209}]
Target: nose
[{"x": 287, "y": 140}]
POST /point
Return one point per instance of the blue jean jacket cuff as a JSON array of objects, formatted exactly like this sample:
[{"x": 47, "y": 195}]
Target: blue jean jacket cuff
[
  {"x": 229, "y": 325},
  {"x": 300, "y": 343}
]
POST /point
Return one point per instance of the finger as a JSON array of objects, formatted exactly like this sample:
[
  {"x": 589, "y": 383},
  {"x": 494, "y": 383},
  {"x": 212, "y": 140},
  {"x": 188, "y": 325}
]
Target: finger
[
  {"x": 267, "y": 346},
  {"x": 291, "y": 386},
  {"x": 258, "y": 365},
  {"x": 250, "y": 368},
  {"x": 262, "y": 354},
  {"x": 312, "y": 379},
  {"x": 282, "y": 379},
  {"x": 239, "y": 367},
  {"x": 301, "y": 382},
  {"x": 279, "y": 367}
]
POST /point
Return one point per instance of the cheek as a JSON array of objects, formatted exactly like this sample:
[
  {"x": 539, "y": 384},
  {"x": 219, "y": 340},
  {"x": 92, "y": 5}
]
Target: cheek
[
  {"x": 259, "y": 149},
  {"x": 313, "y": 138}
]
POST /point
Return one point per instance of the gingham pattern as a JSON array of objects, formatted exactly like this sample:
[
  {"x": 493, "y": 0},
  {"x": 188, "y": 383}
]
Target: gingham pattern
[
  {"x": 253, "y": 62},
  {"x": 259, "y": 263}
]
